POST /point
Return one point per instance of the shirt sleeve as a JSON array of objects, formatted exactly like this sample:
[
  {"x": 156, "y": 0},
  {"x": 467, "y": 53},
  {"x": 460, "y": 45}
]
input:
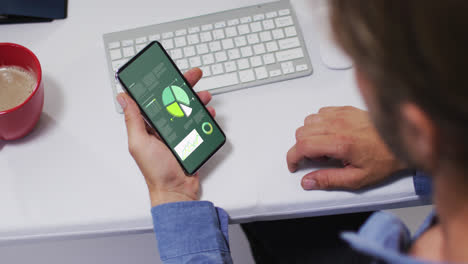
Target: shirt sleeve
[
  {"x": 422, "y": 184},
  {"x": 191, "y": 232}
]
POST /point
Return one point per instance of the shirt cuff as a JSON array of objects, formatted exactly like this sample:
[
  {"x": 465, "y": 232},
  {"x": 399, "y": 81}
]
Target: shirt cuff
[
  {"x": 184, "y": 228},
  {"x": 422, "y": 184}
]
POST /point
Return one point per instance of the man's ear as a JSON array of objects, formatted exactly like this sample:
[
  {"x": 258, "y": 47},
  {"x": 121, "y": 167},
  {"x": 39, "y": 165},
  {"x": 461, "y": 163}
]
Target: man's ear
[{"x": 420, "y": 135}]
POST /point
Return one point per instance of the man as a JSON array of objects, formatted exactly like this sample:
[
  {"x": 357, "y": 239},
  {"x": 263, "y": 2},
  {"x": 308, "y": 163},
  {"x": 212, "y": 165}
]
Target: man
[{"x": 409, "y": 61}]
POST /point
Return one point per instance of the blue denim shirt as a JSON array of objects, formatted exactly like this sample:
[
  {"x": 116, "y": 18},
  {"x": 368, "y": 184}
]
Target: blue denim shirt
[{"x": 197, "y": 232}]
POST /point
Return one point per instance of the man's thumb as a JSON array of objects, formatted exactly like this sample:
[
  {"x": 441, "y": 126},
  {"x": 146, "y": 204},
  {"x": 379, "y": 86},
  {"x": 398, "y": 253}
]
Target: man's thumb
[
  {"x": 339, "y": 178},
  {"x": 133, "y": 119}
]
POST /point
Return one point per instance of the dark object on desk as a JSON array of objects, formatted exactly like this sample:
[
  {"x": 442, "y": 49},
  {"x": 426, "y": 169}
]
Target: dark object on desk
[{"x": 27, "y": 11}]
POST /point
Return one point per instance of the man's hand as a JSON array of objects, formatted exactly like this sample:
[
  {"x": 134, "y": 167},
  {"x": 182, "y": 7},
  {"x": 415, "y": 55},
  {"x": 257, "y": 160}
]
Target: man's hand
[
  {"x": 165, "y": 178},
  {"x": 346, "y": 134}
]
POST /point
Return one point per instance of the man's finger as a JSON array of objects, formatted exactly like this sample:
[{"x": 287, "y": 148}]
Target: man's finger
[
  {"x": 316, "y": 147},
  {"x": 134, "y": 121},
  {"x": 339, "y": 178},
  {"x": 212, "y": 111},
  {"x": 193, "y": 76},
  {"x": 204, "y": 96}
]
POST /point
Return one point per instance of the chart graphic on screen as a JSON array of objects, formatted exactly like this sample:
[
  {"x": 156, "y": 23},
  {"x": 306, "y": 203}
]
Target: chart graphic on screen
[
  {"x": 188, "y": 144},
  {"x": 176, "y": 101}
]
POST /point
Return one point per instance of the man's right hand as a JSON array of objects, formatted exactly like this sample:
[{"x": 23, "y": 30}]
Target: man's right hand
[{"x": 346, "y": 134}]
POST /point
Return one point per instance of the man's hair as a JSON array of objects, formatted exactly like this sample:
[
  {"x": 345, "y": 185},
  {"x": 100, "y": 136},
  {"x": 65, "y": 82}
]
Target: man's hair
[{"x": 413, "y": 51}]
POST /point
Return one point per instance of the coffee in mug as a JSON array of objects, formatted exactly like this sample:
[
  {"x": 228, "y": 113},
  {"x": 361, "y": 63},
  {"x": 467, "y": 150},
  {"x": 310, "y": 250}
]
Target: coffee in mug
[
  {"x": 21, "y": 91},
  {"x": 16, "y": 85}
]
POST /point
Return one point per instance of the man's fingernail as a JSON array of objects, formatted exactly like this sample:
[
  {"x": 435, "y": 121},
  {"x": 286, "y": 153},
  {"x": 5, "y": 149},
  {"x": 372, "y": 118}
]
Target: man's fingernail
[
  {"x": 122, "y": 101},
  {"x": 309, "y": 184}
]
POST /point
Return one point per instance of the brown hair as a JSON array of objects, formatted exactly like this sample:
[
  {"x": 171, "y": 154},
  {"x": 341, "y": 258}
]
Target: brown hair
[{"x": 414, "y": 51}]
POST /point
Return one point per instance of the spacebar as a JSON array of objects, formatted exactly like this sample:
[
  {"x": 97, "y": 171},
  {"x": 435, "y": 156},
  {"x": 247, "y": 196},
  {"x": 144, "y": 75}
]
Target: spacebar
[{"x": 208, "y": 83}]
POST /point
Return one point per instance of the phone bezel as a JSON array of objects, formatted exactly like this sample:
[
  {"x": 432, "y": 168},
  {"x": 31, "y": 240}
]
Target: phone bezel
[{"x": 148, "y": 120}]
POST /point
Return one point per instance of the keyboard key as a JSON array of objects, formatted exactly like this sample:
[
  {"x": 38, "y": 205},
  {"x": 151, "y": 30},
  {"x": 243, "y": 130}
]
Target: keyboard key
[
  {"x": 259, "y": 49},
  {"x": 289, "y": 43},
  {"x": 141, "y": 40},
  {"x": 246, "y": 75},
  {"x": 182, "y": 64},
  {"x": 118, "y": 63},
  {"x": 208, "y": 59},
  {"x": 202, "y": 48},
  {"x": 246, "y": 51},
  {"x": 246, "y": 20},
  {"x": 128, "y": 52},
  {"x": 275, "y": 73},
  {"x": 207, "y": 27},
  {"x": 114, "y": 45},
  {"x": 230, "y": 66},
  {"x": 215, "y": 46},
  {"x": 268, "y": 24},
  {"x": 127, "y": 43},
  {"x": 176, "y": 54},
  {"x": 261, "y": 73},
  {"x": 233, "y": 54},
  {"x": 284, "y": 12},
  {"x": 193, "y": 30},
  {"x": 287, "y": 67},
  {"x": 256, "y": 26},
  {"x": 259, "y": 17},
  {"x": 284, "y": 21},
  {"x": 167, "y": 35},
  {"x": 240, "y": 41},
  {"x": 271, "y": 14},
  {"x": 220, "y": 24},
  {"x": 272, "y": 46},
  {"x": 278, "y": 33},
  {"x": 217, "y": 82},
  {"x": 290, "y": 31},
  {"x": 217, "y": 69},
  {"x": 289, "y": 54},
  {"x": 218, "y": 34},
  {"x": 228, "y": 44},
  {"x": 180, "y": 42},
  {"x": 301, "y": 67},
  {"x": 206, "y": 71},
  {"x": 233, "y": 22},
  {"x": 115, "y": 54},
  {"x": 181, "y": 32},
  {"x": 253, "y": 38},
  {"x": 221, "y": 56},
  {"x": 243, "y": 64},
  {"x": 140, "y": 47},
  {"x": 193, "y": 39},
  {"x": 256, "y": 61},
  {"x": 154, "y": 37},
  {"x": 243, "y": 29},
  {"x": 195, "y": 61},
  {"x": 231, "y": 32},
  {"x": 189, "y": 51},
  {"x": 265, "y": 36},
  {"x": 167, "y": 44},
  {"x": 206, "y": 36},
  {"x": 269, "y": 59}
]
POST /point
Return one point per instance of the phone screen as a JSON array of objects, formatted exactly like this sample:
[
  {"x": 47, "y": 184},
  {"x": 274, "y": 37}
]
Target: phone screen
[{"x": 171, "y": 106}]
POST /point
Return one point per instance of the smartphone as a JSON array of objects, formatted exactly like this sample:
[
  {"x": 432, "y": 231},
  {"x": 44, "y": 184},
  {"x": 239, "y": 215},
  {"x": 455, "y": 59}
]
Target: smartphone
[{"x": 170, "y": 106}]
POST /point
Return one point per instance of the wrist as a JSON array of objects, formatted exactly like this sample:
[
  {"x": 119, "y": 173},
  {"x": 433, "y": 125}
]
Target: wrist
[{"x": 158, "y": 198}]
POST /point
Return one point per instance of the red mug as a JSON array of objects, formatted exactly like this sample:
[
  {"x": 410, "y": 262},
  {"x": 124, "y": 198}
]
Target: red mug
[{"x": 18, "y": 121}]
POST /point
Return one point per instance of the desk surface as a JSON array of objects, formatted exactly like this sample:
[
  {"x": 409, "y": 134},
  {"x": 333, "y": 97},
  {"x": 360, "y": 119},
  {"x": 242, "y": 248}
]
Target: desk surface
[{"x": 74, "y": 176}]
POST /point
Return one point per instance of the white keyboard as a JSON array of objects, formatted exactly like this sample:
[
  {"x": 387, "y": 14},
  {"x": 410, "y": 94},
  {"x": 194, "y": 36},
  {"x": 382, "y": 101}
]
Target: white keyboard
[{"x": 235, "y": 49}]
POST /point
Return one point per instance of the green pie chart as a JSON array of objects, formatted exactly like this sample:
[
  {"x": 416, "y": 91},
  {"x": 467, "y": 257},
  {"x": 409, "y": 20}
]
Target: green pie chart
[{"x": 176, "y": 101}]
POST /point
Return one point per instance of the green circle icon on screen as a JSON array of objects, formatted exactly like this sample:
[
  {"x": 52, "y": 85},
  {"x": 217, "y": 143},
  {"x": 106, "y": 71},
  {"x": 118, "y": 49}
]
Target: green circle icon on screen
[
  {"x": 207, "y": 128},
  {"x": 176, "y": 101}
]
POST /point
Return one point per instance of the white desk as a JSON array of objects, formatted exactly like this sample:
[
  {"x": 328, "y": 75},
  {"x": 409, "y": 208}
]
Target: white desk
[{"x": 73, "y": 175}]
